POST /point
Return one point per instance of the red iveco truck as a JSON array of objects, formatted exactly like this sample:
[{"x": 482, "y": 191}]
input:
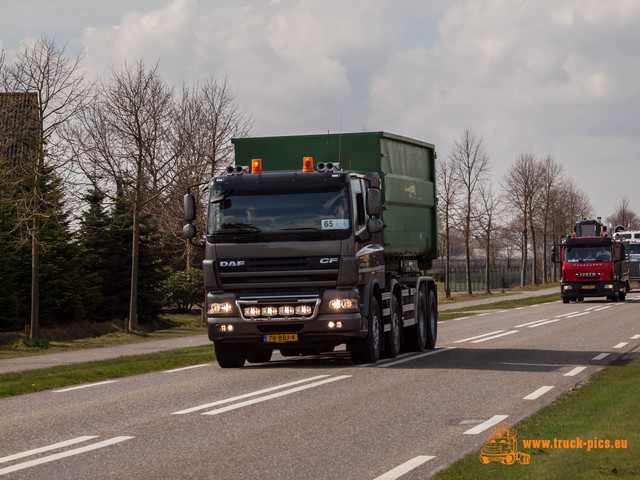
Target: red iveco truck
[{"x": 593, "y": 263}]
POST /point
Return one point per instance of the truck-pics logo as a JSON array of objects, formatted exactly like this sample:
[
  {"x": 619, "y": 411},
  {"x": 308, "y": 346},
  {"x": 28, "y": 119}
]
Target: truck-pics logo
[{"x": 503, "y": 447}]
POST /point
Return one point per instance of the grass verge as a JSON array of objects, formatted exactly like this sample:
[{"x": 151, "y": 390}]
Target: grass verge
[
  {"x": 29, "y": 381},
  {"x": 605, "y": 409},
  {"x": 500, "y": 305},
  {"x": 81, "y": 336}
]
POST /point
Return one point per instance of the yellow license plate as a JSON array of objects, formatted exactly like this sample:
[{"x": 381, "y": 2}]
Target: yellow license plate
[
  {"x": 281, "y": 338},
  {"x": 588, "y": 287}
]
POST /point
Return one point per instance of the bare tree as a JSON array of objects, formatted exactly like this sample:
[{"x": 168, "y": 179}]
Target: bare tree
[
  {"x": 488, "y": 209},
  {"x": 58, "y": 91},
  {"x": 624, "y": 216},
  {"x": 549, "y": 193},
  {"x": 129, "y": 142},
  {"x": 449, "y": 190},
  {"x": 520, "y": 188},
  {"x": 470, "y": 164},
  {"x": 207, "y": 117}
]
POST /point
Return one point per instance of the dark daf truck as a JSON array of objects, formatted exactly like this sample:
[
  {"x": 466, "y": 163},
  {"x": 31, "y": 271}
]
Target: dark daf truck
[{"x": 320, "y": 240}]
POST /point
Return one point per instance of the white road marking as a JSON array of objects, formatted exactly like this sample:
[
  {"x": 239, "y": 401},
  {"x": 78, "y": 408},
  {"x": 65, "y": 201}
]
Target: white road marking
[
  {"x": 578, "y": 314},
  {"x": 538, "y": 393},
  {"x": 635, "y": 337},
  {"x": 544, "y": 323},
  {"x": 478, "y": 336},
  {"x": 247, "y": 395},
  {"x": 485, "y": 425},
  {"x": 415, "y": 357},
  {"x": 575, "y": 371},
  {"x": 274, "y": 395},
  {"x": 48, "y": 448},
  {"x": 58, "y": 456},
  {"x": 173, "y": 370},
  {"x": 406, "y": 467},
  {"x": 602, "y": 308},
  {"x": 531, "y": 323},
  {"x": 495, "y": 336},
  {"x": 600, "y": 357},
  {"x": 621, "y": 344},
  {"x": 566, "y": 314},
  {"x": 89, "y": 385}
]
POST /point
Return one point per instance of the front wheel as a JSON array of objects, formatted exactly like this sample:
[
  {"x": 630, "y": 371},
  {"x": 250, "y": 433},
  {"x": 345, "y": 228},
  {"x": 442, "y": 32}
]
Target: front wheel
[
  {"x": 367, "y": 349},
  {"x": 230, "y": 355}
]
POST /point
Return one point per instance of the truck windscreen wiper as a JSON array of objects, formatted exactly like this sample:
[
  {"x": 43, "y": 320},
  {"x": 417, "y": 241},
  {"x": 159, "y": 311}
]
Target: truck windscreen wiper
[{"x": 306, "y": 230}]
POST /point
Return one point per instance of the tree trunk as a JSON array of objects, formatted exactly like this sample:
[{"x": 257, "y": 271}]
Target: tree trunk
[
  {"x": 132, "y": 324},
  {"x": 34, "y": 328}
]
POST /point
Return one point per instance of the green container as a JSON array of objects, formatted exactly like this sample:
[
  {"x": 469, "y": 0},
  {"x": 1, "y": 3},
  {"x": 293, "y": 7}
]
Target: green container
[{"x": 406, "y": 168}]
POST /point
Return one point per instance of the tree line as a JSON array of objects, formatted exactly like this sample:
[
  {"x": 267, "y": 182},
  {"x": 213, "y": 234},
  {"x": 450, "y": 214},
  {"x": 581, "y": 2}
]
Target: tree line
[
  {"x": 92, "y": 174},
  {"x": 536, "y": 205}
]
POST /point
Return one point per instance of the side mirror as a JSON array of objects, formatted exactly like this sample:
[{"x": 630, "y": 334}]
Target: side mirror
[
  {"x": 189, "y": 230},
  {"x": 374, "y": 202},
  {"x": 374, "y": 225},
  {"x": 189, "y": 208}
]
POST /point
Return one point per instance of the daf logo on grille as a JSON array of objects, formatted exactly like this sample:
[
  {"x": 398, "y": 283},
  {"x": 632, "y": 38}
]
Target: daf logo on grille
[{"x": 232, "y": 263}]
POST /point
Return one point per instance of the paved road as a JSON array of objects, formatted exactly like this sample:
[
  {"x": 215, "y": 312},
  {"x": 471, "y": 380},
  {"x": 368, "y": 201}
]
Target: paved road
[
  {"x": 105, "y": 353},
  {"x": 320, "y": 417}
]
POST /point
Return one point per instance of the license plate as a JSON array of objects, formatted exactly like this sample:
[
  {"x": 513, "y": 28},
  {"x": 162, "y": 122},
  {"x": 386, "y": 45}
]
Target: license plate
[
  {"x": 281, "y": 338},
  {"x": 588, "y": 287}
]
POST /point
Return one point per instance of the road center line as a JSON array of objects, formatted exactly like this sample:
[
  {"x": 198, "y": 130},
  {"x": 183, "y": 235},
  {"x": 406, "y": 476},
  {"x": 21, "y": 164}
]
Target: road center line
[
  {"x": 600, "y": 357},
  {"x": 538, "y": 393},
  {"x": 89, "y": 385},
  {"x": 247, "y": 395},
  {"x": 635, "y": 337},
  {"x": 415, "y": 357},
  {"x": 575, "y": 371},
  {"x": 274, "y": 395},
  {"x": 531, "y": 323},
  {"x": 566, "y": 314},
  {"x": 602, "y": 308},
  {"x": 495, "y": 336},
  {"x": 545, "y": 323},
  {"x": 621, "y": 344},
  {"x": 478, "y": 336},
  {"x": 58, "y": 456},
  {"x": 406, "y": 467},
  {"x": 578, "y": 314},
  {"x": 485, "y": 425},
  {"x": 48, "y": 448}
]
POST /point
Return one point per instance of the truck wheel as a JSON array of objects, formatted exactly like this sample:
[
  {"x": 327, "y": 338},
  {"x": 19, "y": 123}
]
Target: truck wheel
[
  {"x": 392, "y": 338},
  {"x": 259, "y": 357},
  {"x": 565, "y": 300},
  {"x": 229, "y": 355},
  {"x": 416, "y": 335},
  {"x": 622, "y": 295},
  {"x": 432, "y": 321},
  {"x": 367, "y": 349}
]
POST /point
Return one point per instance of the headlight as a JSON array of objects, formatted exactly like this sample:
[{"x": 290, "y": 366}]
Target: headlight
[
  {"x": 342, "y": 303},
  {"x": 220, "y": 308}
]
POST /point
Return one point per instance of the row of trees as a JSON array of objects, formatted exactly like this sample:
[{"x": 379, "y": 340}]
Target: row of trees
[
  {"x": 536, "y": 205},
  {"x": 92, "y": 175}
]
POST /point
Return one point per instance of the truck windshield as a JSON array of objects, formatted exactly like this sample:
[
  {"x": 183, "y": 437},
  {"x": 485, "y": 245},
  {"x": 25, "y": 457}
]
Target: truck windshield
[
  {"x": 587, "y": 254},
  {"x": 324, "y": 214}
]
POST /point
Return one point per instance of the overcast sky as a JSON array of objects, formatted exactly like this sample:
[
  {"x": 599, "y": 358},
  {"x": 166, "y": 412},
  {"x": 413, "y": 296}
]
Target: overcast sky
[{"x": 543, "y": 77}]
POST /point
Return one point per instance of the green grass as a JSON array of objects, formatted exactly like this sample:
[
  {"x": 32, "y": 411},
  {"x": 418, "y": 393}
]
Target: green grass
[
  {"x": 607, "y": 407},
  {"x": 29, "y": 381},
  {"x": 500, "y": 305},
  {"x": 93, "y": 335}
]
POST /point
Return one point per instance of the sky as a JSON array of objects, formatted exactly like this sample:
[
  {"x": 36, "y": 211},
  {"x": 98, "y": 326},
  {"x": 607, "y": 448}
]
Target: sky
[{"x": 547, "y": 77}]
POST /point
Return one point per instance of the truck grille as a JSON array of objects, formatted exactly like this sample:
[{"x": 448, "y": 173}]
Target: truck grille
[{"x": 279, "y": 272}]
